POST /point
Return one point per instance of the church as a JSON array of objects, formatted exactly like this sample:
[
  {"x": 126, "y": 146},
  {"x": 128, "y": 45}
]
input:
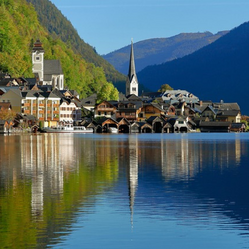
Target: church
[
  {"x": 131, "y": 81},
  {"x": 47, "y": 72}
]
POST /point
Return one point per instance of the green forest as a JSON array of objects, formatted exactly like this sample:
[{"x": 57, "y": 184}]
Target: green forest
[
  {"x": 20, "y": 27},
  {"x": 59, "y": 27}
]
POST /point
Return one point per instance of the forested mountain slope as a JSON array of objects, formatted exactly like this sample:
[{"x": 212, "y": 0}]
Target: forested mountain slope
[
  {"x": 19, "y": 28},
  {"x": 160, "y": 50},
  {"x": 217, "y": 71},
  {"x": 58, "y": 26}
]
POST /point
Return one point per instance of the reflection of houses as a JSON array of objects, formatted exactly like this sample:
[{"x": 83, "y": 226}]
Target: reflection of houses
[{"x": 45, "y": 159}]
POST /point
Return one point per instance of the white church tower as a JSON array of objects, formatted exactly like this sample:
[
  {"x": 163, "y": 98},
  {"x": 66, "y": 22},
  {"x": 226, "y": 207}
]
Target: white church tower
[
  {"x": 132, "y": 82},
  {"x": 38, "y": 60},
  {"x": 48, "y": 72}
]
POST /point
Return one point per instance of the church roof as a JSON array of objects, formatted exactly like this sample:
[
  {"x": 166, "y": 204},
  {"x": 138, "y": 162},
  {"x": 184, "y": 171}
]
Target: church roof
[
  {"x": 38, "y": 46},
  {"x": 52, "y": 67},
  {"x": 132, "y": 70}
]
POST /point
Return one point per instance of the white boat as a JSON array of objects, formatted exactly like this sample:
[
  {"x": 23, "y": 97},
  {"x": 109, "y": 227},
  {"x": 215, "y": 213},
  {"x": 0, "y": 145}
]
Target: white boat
[
  {"x": 68, "y": 129},
  {"x": 112, "y": 130}
]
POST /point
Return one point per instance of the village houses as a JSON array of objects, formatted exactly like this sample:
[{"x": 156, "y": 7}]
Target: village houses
[{"x": 45, "y": 101}]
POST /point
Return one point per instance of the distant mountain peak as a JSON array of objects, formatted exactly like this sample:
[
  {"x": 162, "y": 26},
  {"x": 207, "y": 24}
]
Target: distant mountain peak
[{"x": 160, "y": 50}]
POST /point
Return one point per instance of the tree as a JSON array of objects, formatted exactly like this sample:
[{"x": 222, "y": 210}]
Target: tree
[
  {"x": 107, "y": 92},
  {"x": 165, "y": 87},
  {"x": 7, "y": 114}
]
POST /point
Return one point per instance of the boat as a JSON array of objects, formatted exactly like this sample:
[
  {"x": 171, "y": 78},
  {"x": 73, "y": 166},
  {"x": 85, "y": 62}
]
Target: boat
[
  {"x": 112, "y": 130},
  {"x": 68, "y": 129}
]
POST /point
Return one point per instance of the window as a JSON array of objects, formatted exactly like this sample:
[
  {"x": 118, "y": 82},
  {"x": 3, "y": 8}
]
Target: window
[
  {"x": 37, "y": 58},
  {"x": 134, "y": 89}
]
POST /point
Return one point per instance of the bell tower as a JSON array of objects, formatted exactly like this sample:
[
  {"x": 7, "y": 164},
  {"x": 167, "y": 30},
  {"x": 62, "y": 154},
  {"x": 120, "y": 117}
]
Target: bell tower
[
  {"x": 38, "y": 60},
  {"x": 132, "y": 82}
]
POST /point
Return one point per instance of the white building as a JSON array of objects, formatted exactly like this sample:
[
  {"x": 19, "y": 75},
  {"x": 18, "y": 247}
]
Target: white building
[{"x": 48, "y": 72}]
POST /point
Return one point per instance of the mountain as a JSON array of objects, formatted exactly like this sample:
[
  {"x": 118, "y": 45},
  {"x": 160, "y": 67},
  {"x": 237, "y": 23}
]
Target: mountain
[
  {"x": 19, "y": 28},
  {"x": 59, "y": 27},
  {"x": 160, "y": 50},
  {"x": 217, "y": 71}
]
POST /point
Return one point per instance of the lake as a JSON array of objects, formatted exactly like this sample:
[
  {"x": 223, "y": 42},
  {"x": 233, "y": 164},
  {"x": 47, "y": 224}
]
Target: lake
[{"x": 124, "y": 191}]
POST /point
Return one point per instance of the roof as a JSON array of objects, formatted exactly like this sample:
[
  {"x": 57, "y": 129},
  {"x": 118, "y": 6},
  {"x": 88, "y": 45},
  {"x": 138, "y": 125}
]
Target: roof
[
  {"x": 38, "y": 46},
  {"x": 52, "y": 67},
  {"x": 132, "y": 70},
  {"x": 91, "y": 100},
  {"x": 132, "y": 97},
  {"x": 214, "y": 123},
  {"x": 211, "y": 108},
  {"x": 151, "y": 119},
  {"x": 238, "y": 125},
  {"x": 228, "y": 113}
]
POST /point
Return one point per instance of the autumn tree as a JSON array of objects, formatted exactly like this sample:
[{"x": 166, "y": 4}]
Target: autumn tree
[
  {"x": 7, "y": 114},
  {"x": 165, "y": 87}
]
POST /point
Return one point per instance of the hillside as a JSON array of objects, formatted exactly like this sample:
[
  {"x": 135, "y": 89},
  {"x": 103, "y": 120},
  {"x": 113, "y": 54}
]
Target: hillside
[
  {"x": 160, "y": 50},
  {"x": 19, "y": 28},
  {"x": 217, "y": 71},
  {"x": 59, "y": 27}
]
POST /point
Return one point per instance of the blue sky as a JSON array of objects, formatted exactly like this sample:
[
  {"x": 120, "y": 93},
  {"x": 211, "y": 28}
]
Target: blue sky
[{"x": 109, "y": 25}]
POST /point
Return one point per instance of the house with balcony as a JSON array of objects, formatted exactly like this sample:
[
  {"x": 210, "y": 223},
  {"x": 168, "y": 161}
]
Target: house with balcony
[
  {"x": 70, "y": 111},
  {"x": 105, "y": 109},
  {"x": 129, "y": 110},
  {"x": 45, "y": 106}
]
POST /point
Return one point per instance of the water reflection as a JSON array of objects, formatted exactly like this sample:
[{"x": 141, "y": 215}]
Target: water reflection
[{"x": 48, "y": 180}]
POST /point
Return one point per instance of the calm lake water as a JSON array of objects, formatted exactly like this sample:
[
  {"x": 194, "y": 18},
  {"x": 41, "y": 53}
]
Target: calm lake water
[{"x": 124, "y": 191}]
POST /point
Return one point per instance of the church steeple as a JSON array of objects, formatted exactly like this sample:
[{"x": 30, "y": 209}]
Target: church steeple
[
  {"x": 38, "y": 60},
  {"x": 132, "y": 82}
]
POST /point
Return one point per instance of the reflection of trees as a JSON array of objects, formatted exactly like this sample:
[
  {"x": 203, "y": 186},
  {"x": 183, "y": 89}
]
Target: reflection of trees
[
  {"x": 201, "y": 179},
  {"x": 49, "y": 177}
]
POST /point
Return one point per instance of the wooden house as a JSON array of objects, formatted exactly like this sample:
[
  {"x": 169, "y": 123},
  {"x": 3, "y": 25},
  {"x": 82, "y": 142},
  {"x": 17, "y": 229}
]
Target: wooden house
[
  {"x": 105, "y": 109},
  {"x": 129, "y": 110},
  {"x": 151, "y": 109},
  {"x": 157, "y": 123}
]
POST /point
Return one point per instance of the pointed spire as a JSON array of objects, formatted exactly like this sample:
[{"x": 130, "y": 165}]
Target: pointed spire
[
  {"x": 132, "y": 70},
  {"x": 132, "y": 82}
]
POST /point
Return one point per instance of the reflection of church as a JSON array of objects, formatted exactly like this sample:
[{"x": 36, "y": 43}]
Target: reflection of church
[
  {"x": 133, "y": 172},
  {"x": 48, "y": 72}
]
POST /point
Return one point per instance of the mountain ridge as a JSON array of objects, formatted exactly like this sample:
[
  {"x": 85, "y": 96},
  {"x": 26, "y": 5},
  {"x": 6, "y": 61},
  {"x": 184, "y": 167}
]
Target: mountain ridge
[
  {"x": 159, "y": 50},
  {"x": 217, "y": 71}
]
